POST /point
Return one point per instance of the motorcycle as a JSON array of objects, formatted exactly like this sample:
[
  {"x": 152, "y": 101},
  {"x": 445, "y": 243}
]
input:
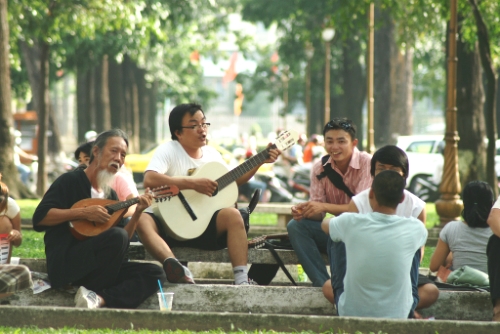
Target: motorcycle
[{"x": 274, "y": 189}]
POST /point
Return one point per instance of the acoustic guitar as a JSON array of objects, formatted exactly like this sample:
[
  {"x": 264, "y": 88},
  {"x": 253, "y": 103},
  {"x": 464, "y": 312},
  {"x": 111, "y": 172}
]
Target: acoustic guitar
[
  {"x": 82, "y": 229},
  {"x": 187, "y": 215}
]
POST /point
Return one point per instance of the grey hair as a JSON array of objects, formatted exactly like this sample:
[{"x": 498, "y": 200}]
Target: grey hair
[{"x": 103, "y": 137}]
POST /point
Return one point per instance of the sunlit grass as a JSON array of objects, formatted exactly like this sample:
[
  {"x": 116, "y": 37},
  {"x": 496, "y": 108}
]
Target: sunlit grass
[
  {"x": 69, "y": 330},
  {"x": 28, "y": 207}
]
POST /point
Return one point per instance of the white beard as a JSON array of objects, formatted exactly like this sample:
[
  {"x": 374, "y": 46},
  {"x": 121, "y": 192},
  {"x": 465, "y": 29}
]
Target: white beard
[{"x": 104, "y": 180}]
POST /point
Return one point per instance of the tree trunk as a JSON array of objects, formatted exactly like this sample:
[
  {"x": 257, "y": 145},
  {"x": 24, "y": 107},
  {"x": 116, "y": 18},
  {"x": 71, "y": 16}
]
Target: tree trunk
[
  {"x": 401, "y": 94},
  {"x": 490, "y": 83},
  {"x": 7, "y": 167},
  {"x": 353, "y": 86},
  {"x": 32, "y": 60},
  {"x": 145, "y": 102},
  {"x": 384, "y": 46},
  {"x": 43, "y": 103},
  {"x": 103, "y": 116},
  {"x": 116, "y": 95},
  {"x": 82, "y": 103},
  {"x": 470, "y": 119}
]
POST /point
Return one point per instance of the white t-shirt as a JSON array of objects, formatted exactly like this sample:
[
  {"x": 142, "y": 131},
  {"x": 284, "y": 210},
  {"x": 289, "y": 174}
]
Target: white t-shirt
[
  {"x": 171, "y": 159},
  {"x": 12, "y": 209},
  {"x": 379, "y": 253},
  {"x": 411, "y": 206},
  {"x": 467, "y": 244}
]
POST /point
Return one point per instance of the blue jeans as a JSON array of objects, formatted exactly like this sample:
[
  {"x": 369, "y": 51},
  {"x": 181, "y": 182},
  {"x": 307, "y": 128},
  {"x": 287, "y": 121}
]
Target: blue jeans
[
  {"x": 308, "y": 241},
  {"x": 337, "y": 257}
]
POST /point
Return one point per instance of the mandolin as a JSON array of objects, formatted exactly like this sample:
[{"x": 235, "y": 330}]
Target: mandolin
[{"x": 82, "y": 229}]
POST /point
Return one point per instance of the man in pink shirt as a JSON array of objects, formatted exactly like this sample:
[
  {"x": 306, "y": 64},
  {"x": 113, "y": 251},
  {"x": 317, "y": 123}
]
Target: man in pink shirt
[{"x": 306, "y": 236}]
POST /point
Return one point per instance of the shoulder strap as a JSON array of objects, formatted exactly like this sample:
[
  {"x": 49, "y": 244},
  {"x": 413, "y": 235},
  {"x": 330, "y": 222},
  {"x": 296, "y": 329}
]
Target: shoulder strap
[{"x": 334, "y": 177}]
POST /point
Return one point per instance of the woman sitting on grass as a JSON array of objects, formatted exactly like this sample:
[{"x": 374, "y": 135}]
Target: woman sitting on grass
[
  {"x": 464, "y": 242},
  {"x": 10, "y": 219}
]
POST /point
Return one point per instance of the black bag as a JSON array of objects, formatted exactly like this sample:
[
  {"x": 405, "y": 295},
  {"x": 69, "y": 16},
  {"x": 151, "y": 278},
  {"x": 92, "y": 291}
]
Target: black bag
[{"x": 262, "y": 273}]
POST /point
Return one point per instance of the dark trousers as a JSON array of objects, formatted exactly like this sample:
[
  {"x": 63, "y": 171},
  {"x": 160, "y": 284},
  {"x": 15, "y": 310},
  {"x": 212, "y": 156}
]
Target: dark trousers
[
  {"x": 493, "y": 253},
  {"x": 122, "y": 284}
]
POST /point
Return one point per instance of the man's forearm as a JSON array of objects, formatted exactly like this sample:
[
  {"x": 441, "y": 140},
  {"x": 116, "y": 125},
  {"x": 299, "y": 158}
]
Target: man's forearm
[{"x": 58, "y": 216}]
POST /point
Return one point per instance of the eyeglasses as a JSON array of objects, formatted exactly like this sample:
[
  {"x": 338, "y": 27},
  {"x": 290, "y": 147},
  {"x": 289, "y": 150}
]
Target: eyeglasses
[
  {"x": 336, "y": 123},
  {"x": 203, "y": 126}
]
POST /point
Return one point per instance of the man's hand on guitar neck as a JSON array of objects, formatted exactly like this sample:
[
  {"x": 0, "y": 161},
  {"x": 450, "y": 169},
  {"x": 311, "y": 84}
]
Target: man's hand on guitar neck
[
  {"x": 273, "y": 154},
  {"x": 144, "y": 201}
]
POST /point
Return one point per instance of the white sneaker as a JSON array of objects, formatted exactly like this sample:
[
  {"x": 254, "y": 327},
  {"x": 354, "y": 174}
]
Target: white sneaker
[
  {"x": 85, "y": 298},
  {"x": 249, "y": 282}
]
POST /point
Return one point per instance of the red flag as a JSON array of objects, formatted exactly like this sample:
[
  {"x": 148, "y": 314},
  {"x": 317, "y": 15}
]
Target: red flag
[{"x": 231, "y": 73}]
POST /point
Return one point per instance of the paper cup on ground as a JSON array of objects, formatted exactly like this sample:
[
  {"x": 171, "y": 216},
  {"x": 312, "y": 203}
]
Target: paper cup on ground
[{"x": 165, "y": 299}]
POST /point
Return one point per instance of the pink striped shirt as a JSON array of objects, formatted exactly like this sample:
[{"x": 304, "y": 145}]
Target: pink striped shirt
[{"x": 357, "y": 178}]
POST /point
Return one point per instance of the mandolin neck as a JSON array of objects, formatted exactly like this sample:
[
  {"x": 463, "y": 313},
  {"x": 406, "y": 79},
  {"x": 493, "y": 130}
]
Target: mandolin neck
[{"x": 122, "y": 205}]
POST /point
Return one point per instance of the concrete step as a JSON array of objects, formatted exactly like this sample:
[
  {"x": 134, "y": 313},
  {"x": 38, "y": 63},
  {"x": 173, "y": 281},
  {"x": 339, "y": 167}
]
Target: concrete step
[
  {"x": 60, "y": 317},
  {"x": 469, "y": 306}
]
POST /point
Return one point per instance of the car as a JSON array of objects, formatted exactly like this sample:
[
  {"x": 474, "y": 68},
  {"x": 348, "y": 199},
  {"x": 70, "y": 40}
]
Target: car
[
  {"x": 425, "y": 156},
  {"x": 137, "y": 163}
]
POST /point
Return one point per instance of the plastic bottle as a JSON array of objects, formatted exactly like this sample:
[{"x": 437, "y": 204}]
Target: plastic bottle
[{"x": 302, "y": 276}]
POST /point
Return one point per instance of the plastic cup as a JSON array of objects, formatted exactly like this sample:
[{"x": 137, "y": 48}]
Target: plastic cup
[{"x": 165, "y": 297}]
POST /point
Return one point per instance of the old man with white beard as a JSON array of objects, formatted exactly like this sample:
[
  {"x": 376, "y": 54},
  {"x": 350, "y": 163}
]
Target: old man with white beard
[{"x": 97, "y": 265}]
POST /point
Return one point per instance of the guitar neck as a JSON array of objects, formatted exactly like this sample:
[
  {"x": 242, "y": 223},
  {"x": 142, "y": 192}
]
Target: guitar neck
[
  {"x": 244, "y": 168},
  {"x": 122, "y": 205}
]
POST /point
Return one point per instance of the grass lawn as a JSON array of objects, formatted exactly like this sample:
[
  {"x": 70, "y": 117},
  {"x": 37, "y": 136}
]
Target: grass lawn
[{"x": 67, "y": 330}]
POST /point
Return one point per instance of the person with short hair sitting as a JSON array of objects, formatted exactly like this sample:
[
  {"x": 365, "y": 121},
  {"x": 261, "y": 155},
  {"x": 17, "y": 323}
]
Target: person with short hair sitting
[{"x": 379, "y": 251}]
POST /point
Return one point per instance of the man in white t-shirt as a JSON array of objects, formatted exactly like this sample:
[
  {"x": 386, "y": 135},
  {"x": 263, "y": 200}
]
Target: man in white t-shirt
[
  {"x": 172, "y": 164},
  {"x": 391, "y": 157},
  {"x": 380, "y": 246}
]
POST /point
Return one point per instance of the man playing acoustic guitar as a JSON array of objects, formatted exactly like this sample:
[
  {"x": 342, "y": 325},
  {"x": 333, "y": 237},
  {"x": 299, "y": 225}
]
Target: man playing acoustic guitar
[
  {"x": 171, "y": 164},
  {"x": 98, "y": 264}
]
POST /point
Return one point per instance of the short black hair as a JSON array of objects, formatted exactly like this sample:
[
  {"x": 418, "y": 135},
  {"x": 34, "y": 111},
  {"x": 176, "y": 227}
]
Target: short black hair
[
  {"x": 85, "y": 148},
  {"x": 391, "y": 155},
  {"x": 388, "y": 187},
  {"x": 341, "y": 124},
  {"x": 103, "y": 137},
  {"x": 177, "y": 114},
  {"x": 478, "y": 201}
]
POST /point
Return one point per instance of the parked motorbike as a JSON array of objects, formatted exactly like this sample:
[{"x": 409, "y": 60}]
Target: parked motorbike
[
  {"x": 275, "y": 189},
  {"x": 425, "y": 188}
]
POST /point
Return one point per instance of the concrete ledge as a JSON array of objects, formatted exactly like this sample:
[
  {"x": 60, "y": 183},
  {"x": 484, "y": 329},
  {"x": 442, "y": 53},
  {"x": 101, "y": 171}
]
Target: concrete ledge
[
  {"x": 209, "y": 298},
  {"x": 468, "y": 306},
  {"x": 137, "y": 252},
  {"x": 60, "y": 317}
]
